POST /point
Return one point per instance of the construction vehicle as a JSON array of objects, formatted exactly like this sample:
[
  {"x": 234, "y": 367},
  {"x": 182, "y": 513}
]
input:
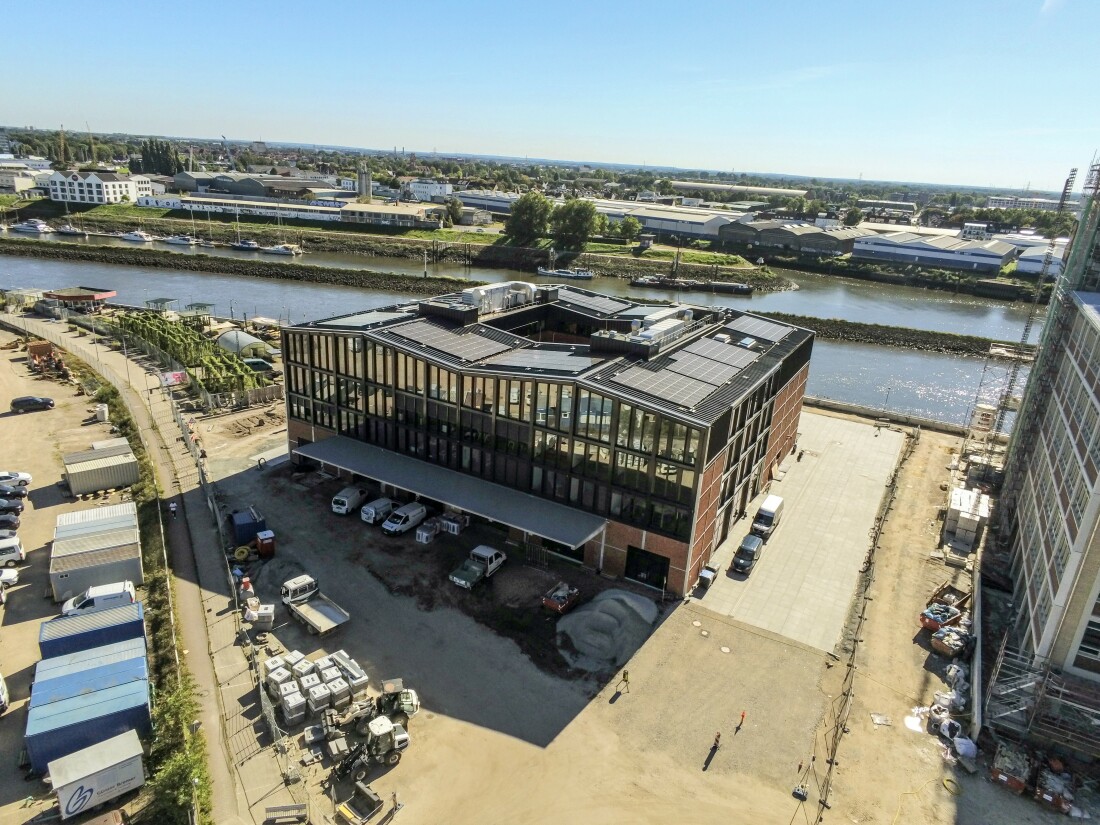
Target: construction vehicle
[
  {"x": 362, "y": 805},
  {"x": 397, "y": 702},
  {"x": 308, "y": 605},
  {"x": 383, "y": 746}
]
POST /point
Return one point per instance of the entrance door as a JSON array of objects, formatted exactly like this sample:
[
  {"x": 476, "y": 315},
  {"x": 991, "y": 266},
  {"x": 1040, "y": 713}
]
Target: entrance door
[{"x": 646, "y": 568}]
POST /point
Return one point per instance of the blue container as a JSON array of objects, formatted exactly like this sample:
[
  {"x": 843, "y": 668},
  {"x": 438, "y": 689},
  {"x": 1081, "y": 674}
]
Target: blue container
[
  {"x": 88, "y": 681},
  {"x": 88, "y": 659},
  {"x": 246, "y": 524},
  {"x": 64, "y": 727},
  {"x": 71, "y": 634}
]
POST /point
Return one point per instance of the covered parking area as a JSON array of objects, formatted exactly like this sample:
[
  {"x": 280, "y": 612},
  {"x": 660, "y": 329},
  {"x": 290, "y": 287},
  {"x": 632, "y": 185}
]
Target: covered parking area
[{"x": 531, "y": 515}]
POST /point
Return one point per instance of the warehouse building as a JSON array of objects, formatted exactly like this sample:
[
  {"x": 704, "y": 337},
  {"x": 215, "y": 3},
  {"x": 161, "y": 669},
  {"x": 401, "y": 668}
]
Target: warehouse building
[
  {"x": 408, "y": 215},
  {"x": 94, "y": 470},
  {"x": 940, "y": 252},
  {"x": 624, "y": 436},
  {"x": 803, "y": 238}
]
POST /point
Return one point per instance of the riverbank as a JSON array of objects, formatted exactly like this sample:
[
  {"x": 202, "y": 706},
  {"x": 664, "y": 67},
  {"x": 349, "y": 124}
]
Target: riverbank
[
  {"x": 365, "y": 278},
  {"x": 852, "y": 332}
]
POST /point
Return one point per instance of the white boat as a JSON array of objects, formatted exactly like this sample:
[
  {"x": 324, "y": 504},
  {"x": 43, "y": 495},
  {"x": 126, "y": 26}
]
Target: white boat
[
  {"x": 182, "y": 240},
  {"x": 137, "y": 235},
  {"x": 33, "y": 226},
  {"x": 69, "y": 229},
  {"x": 283, "y": 249},
  {"x": 568, "y": 274},
  {"x": 246, "y": 244}
]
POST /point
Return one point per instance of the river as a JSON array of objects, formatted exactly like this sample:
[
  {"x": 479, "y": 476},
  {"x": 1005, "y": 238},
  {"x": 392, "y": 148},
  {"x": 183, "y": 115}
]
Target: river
[{"x": 931, "y": 385}]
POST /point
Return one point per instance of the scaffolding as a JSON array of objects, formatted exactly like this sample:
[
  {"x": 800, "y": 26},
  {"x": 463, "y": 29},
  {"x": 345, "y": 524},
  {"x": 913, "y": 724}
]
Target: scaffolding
[{"x": 1029, "y": 699}]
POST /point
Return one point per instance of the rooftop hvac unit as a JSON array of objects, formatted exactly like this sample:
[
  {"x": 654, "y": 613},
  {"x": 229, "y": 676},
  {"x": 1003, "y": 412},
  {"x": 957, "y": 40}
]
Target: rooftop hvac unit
[
  {"x": 747, "y": 343},
  {"x": 722, "y": 338}
]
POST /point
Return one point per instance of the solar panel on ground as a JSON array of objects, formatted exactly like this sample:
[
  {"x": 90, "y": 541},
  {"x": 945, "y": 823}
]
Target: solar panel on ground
[
  {"x": 759, "y": 328},
  {"x": 605, "y": 306},
  {"x": 556, "y": 360},
  {"x": 469, "y": 346},
  {"x": 666, "y": 385},
  {"x": 704, "y": 369}
]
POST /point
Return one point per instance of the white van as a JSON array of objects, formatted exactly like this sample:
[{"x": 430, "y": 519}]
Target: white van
[
  {"x": 348, "y": 499},
  {"x": 404, "y": 518},
  {"x": 768, "y": 516},
  {"x": 3, "y": 694},
  {"x": 12, "y": 552},
  {"x": 378, "y": 510},
  {"x": 100, "y": 597}
]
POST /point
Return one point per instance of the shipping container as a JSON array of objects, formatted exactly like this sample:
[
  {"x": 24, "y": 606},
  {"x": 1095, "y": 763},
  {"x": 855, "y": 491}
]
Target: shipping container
[
  {"x": 81, "y": 562},
  {"x": 111, "y": 511},
  {"x": 110, "y": 443},
  {"x": 87, "y": 659},
  {"x": 64, "y": 727},
  {"x": 88, "y": 778},
  {"x": 95, "y": 470},
  {"x": 69, "y": 634},
  {"x": 60, "y": 687},
  {"x": 96, "y": 520}
]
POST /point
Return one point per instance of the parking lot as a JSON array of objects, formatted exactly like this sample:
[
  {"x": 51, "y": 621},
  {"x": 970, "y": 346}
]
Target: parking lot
[{"x": 802, "y": 586}]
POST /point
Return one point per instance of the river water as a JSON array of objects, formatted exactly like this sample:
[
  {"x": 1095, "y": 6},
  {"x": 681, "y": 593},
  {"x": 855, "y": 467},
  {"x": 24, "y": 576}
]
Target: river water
[{"x": 931, "y": 385}]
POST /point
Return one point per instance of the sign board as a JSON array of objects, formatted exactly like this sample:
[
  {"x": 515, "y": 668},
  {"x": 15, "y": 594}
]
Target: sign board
[{"x": 173, "y": 379}]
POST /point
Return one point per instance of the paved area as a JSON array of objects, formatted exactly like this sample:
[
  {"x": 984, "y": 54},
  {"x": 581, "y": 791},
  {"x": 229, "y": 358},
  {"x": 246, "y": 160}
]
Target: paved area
[{"x": 802, "y": 586}]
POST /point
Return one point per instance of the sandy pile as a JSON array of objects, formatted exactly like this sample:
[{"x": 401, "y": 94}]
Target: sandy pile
[{"x": 605, "y": 632}]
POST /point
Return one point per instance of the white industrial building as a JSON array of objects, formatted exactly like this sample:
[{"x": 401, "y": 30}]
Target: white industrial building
[
  {"x": 1031, "y": 261},
  {"x": 1012, "y": 202},
  {"x": 941, "y": 252},
  {"x": 14, "y": 180},
  {"x": 98, "y": 187},
  {"x": 427, "y": 190}
]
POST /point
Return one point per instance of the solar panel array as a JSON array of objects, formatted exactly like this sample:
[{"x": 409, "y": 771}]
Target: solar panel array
[
  {"x": 704, "y": 369},
  {"x": 468, "y": 346},
  {"x": 724, "y": 353},
  {"x": 604, "y": 306},
  {"x": 541, "y": 359},
  {"x": 759, "y": 328},
  {"x": 671, "y": 386}
]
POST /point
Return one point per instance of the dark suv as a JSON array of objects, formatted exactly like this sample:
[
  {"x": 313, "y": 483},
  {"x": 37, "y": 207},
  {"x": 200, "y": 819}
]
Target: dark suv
[
  {"x": 11, "y": 505},
  {"x": 748, "y": 554},
  {"x": 31, "y": 402}
]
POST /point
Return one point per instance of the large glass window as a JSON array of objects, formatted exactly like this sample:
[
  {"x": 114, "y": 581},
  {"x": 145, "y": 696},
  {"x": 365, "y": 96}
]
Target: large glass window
[
  {"x": 442, "y": 384},
  {"x": 594, "y": 416},
  {"x": 350, "y": 349},
  {"x": 322, "y": 352},
  {"x": 632, "y": 470},
  {"x": 478, "y": 393}
]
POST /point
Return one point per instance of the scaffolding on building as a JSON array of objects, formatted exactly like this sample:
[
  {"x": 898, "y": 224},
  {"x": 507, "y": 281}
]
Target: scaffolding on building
[{"x": 1029, "y": 699}]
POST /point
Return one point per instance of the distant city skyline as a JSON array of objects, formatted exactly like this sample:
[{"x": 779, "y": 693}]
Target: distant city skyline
[{"x": 983, "y": 93}]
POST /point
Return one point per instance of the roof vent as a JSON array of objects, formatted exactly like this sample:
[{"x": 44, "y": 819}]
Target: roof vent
[
  {"x": 722, "y": 338},
  {"x": 747, "y": 343}
]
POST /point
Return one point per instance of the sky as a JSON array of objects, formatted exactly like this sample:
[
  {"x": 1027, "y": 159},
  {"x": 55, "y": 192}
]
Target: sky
[{"x": 978, "y": 92}]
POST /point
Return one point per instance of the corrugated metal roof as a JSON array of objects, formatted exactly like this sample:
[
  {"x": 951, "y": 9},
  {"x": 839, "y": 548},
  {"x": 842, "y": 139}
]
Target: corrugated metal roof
[
  {"x": 556, "y": 522},
  {"x": 88, "y": 455},
  {"x": 127, "y": 508},
  {"x": 71, "y": 685},
  {"x": 68, "y": 531},
  {"x": 90, "y": 706},
  {"x": 64, "y": 626},
  {"x": 110, "y": 443},
  {"x": 88, "y": 542},
  {"x": 94, "y": 558},
  {"x": 98, "y": 463},
  {"x": 88, "y": 659},
  {"x": 88, "y": 761}
]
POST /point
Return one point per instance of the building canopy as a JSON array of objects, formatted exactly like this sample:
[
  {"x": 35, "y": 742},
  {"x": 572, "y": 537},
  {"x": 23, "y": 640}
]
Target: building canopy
[{"x": 522, "y": 511}]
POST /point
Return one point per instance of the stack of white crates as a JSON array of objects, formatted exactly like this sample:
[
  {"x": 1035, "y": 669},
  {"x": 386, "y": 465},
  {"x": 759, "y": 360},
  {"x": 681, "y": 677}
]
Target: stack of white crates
[
  {"x": 294, "y": 708},
  {"x": 355, "y": 676},
  {"x": 341, "y": 692},
  {"x": 292, "y": 657},
  {"x": 320, "y": 697},
  {"x": 967, "y": 516},
  {"x": 302, "y": 669}
]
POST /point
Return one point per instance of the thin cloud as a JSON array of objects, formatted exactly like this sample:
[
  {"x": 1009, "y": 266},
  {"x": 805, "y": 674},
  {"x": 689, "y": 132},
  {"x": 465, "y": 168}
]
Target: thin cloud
[{"x": 1051, "y": 6}]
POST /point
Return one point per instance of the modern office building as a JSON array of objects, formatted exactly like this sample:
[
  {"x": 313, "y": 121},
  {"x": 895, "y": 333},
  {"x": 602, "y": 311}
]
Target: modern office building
[
  {"x": 623, "y": 436},
  {"x": 1052, "y": 483}
]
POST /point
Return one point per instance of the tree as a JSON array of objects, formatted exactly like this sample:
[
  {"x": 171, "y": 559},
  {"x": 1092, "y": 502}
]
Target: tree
[
  {"x": 454, "y": 210},
  {"x": 629, "y": 228},
  {"x": 853, "y": 217},
  {"x": 528, "y": 218},
  {"x": 573, "y": 223}
]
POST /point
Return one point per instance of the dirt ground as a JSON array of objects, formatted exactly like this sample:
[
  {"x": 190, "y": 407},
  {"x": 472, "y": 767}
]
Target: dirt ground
[{"x": 508, "y": 737}]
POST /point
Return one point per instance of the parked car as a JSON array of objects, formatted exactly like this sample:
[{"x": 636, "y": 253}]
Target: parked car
[
  {"x": 31, "y": 402},
  {"x": 404, "y": 518},
  {"x": 8, "y": 578},
  {"x": 9, "y": 522},
  {"x": 11, "y": 505},
  {"x": 8, "y": 491},
  {"x": 14, "y": 478},
  {"x": 748, "y": 554}
]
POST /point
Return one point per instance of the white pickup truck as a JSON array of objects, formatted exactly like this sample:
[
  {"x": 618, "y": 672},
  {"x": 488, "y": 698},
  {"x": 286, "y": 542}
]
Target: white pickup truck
[
  {"x": 482, "y": 562},
  {"x": 303, "y": 598}
]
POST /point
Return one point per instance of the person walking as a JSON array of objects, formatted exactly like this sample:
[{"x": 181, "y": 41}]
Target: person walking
[
  {"x": 742, "y": 720},
  {"x": 625, "y": 681},
  {"x": 172, "y": 509},
  {"x": 717, "y": 740}
]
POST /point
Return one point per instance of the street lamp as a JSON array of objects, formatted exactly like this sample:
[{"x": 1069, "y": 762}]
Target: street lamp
[
  {"x": 231, "y": 300},
  {"x": 886, "y": 403}
]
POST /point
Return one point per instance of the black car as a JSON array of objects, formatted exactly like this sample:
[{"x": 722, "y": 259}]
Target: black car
[
  {"x": 11, "y": 505},
  {"x": 9, "y": 521},
  {"x": 748, "y": 554},
  {"x": 31, "y": 402},
  {"x": 8, "y": 491}
]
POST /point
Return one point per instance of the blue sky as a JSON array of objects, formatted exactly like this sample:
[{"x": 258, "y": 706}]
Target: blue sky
[{"x": 983, "y": 92}]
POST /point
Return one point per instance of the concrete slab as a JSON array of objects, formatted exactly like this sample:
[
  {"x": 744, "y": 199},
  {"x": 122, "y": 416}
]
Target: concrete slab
[{"x": 802, "y": 586}]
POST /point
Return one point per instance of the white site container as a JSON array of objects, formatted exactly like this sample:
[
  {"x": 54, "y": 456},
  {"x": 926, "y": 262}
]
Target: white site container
[
  {"x": 294, "y": 708},
  {"x": 358, "y": 684},
  {"x": 339, "y": 688},
  {"x": 328, "y": 674},
  {"x": 303, "y": 668},
  {"x": 95, "y": 775},
  {"x": 320, "y": 697},
  {"x": 274, "y": 663},
  {"x": 276, "y": 678},
  {"x": 293, "y": 657},
  {"x": 324, "y": 663},
  {"x": 309, "y": 681},
  {"x": 287, "y": 688}
]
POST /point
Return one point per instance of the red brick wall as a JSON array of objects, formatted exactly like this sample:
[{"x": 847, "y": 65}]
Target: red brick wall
[
  {"x": 621, "y": 536},
  {"x": 706, "y": 515},
  {"x": 785, "y": 413}
]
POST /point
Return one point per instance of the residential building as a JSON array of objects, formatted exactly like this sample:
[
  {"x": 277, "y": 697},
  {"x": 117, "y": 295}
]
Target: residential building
[
  {"x": 940, "y": 252},
  {"x": 1051, "y": 493},
  {"x": 624, "y": 436},
  {"x": 974, "y": 231},
  {"x": 409, "y": 215},
  {"x": 1013, "y": 202},
  {"x": 428, "y": 190},
  {"x": 349, "y": 184},
  {"x": 98, "y": 187}
]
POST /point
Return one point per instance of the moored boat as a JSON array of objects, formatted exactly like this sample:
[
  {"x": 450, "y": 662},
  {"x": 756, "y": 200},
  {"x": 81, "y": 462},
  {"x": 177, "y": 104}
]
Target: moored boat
[{"x": 568, "y": 274}]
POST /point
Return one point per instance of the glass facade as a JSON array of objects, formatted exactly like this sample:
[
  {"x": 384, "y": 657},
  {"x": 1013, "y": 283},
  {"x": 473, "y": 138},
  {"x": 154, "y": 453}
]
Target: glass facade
[{"x": 551, "y": 438}]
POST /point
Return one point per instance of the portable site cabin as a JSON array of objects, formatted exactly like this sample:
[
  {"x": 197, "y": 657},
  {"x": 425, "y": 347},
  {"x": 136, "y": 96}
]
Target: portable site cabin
[
  {"x": 80, "y": 562},
  {"x": 90, "y": 777},
  {"x": 70, "y": 634},
  {"x": 96, "y": 520},
  {"x": 65, "y": 685},
  {"x": 90, "y": 659},
  {"x": 93, "y": 470},
  {"x": 60, "y": 728}
]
